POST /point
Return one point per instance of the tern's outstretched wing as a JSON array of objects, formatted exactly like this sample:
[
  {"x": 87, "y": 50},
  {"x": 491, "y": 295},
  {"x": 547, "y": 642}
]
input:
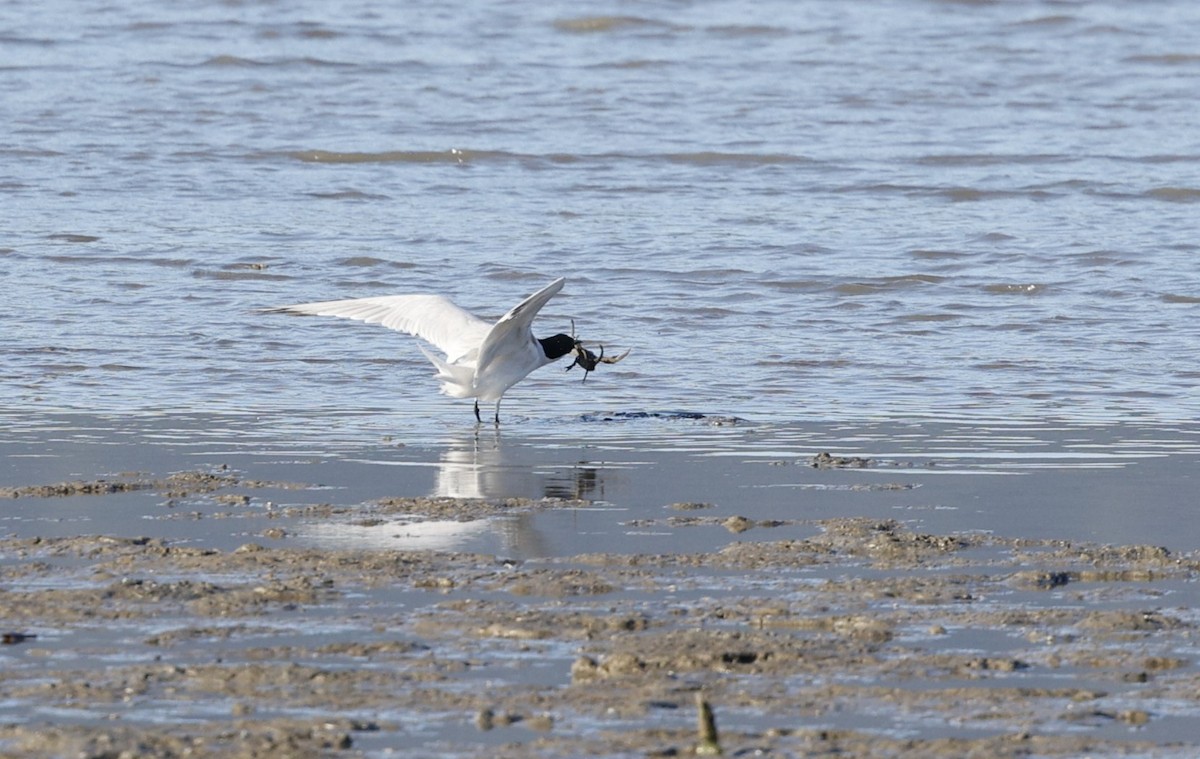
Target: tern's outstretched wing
[
  {"x": 433, "y": 318},
  {"x": 517, "y": 322},
  {"x": 523, "y": 312}
]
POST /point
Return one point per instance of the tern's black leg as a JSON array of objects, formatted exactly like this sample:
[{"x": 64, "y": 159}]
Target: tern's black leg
[
  {"x": 497, "y": 413},
  {"x": 477, "y": 417}
]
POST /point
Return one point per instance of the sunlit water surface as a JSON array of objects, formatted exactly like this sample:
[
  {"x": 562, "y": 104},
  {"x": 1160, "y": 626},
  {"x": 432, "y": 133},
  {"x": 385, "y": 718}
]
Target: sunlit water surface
[
  {"x": 788, "y": 210},
  {"x": 922, "y": 231}
]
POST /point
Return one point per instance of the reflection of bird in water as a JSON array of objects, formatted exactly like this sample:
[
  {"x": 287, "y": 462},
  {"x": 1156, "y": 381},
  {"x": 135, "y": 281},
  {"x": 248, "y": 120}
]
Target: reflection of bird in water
[
  {"x": 485, "y": 467},
  {"x": 581, "y": 482},
  {"x": 473, "y": 467},
  {"x": 482, "y": 360},
  {"x": 469, "y": 468},
  {"x": 436, "y": 535}
]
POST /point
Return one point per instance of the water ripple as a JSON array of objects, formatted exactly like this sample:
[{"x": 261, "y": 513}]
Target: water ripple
[{"x": 773, "y": 219}]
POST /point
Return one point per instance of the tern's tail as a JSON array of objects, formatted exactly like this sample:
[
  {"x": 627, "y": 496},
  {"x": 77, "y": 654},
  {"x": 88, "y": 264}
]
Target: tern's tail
[{"x": 456, "y": 380}]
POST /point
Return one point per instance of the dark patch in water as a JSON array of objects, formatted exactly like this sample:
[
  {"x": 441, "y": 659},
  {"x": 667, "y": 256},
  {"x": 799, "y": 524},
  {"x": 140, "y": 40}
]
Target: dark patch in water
[{"x": 629, "y": 416}]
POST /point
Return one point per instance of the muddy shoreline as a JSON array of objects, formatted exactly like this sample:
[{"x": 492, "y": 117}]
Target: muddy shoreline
[
  {"x": 867, "y": 639},
  {"x": 214, "y": 587}
]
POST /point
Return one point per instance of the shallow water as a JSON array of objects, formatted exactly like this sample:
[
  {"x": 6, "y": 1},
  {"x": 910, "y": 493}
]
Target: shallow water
[
  {"x": 934, "y": 630},
  {"x": 788, "y": 211},
  {"x": 622, "y": 481}
]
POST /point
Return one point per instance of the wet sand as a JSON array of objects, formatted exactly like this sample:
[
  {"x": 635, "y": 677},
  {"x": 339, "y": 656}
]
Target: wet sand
[{"x": 849, "y": 636}]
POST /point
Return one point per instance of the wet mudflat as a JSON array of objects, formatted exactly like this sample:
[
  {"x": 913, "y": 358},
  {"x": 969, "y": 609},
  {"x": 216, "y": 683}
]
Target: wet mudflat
[
  {"x": 164, "y": 594},
  {"x": 865, "y": 639}
]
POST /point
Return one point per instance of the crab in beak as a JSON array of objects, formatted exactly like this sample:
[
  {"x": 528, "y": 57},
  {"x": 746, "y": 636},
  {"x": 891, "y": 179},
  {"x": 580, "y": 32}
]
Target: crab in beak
[{"x": 589, "y": 361}]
